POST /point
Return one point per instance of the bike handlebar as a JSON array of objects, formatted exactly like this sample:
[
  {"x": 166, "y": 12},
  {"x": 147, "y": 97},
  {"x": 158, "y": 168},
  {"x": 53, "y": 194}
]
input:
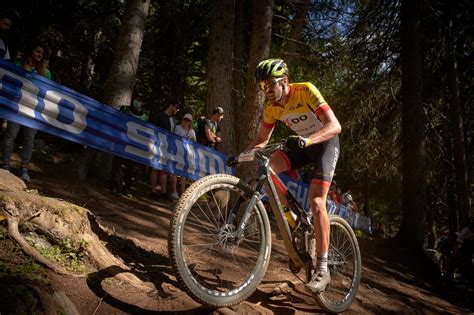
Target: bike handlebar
[
  {"x": 269, "y": 149},
  {"x": 260, "y": 153}
]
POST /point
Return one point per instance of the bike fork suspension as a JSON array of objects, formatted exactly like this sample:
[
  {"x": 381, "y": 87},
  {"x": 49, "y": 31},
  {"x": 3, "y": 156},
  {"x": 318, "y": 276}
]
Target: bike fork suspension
[{"x": 239, "y": 231}]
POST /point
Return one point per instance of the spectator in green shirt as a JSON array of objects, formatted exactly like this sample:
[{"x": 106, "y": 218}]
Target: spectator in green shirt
[{"x": 33, "y": 61}]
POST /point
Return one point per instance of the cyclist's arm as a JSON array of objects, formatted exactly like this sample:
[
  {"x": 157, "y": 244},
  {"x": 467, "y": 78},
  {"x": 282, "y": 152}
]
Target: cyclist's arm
[
  {"x": 331, "y": 127},
  {"x": 263, "y": 136}
]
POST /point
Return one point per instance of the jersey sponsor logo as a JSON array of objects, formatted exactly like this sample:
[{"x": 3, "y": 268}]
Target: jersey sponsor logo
[
  {"x": 303, "y": 123},
  {"x": 300, "y": 88},
  {"x": 293, "y": 107},
  {"x": 334, "y": 162},
  {"x": 295, "y": 120}
]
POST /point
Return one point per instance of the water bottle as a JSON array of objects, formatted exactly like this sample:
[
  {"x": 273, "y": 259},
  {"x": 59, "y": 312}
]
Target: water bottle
[{"x": 290, "y": 217}]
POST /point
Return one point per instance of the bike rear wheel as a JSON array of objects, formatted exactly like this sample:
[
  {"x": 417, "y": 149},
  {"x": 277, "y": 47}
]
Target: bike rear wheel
[
  {"x": 344, "y": 263},
  {"x": 216, "y": 268}
]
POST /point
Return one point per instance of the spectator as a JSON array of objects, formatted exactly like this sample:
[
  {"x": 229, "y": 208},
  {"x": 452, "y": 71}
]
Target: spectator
[
  {"x": 33, "y": 61},
  {"x": 349, "y": 202},
  {"x": 123, "y": 169},
  {"x": 166, "y": 121},
  {"x": 5, "y": 24},
  {"x": 346, "y": 199},
  {"x": 353, "y": 205},
  {"x": 332, "y": 191},
  {"x": 338, "y": 195},
  {"x": 135, "y": 108},
  {"x": 198, "y": 124},
  {"x": 209, "y": 134},
  {"x": 185, "y": 130}
]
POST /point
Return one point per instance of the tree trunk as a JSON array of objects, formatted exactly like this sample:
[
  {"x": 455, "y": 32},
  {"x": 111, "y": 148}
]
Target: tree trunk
[
  {"x": 249, "y": 119},
  {"x": 239, "y": 74},
  {"x": 220, "y": 68},
  {"x": 412, "y": 228},
  {"x": 448, "y": 170},
  {"x": 298, "y": 23},
  {"x": 119, "y": 85},
  {"x": 431, "y": 217},
  {"x": 457, "y": 130}
]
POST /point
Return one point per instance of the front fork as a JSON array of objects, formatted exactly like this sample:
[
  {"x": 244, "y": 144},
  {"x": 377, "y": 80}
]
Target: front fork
[
  {"x": 256, "y": 196},
  {"x": 239, "y": 231}
]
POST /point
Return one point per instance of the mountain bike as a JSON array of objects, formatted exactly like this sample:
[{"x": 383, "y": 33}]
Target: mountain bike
[{"x": 220, "y": 239}]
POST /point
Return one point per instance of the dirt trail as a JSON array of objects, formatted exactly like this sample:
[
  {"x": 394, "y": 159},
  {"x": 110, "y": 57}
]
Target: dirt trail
[{"x": 141, "y": 227}]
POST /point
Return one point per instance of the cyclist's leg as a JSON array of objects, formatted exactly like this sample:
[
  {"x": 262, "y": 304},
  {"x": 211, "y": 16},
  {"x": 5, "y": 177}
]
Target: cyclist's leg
[
  {"x": 325, "y": 159},
  {"x": 318, "y": 192},
  {"x": 280, "y": 163},
  {"x": 317, "y": 199}
]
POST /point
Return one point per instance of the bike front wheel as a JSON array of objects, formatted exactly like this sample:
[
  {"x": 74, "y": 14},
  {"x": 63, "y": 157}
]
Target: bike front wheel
[
  {"x": 216, "y": 266},
  {"x": 344, "y": 263}
]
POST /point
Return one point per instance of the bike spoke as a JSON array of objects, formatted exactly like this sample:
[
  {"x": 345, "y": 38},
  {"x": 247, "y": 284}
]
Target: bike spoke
[
  {"x": 200, "y": 219},
  {"x": 219, "y": 206}
]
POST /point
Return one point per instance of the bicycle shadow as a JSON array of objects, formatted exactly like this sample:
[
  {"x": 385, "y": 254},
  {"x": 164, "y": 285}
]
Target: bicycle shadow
[{"x": 285, "y": 298}]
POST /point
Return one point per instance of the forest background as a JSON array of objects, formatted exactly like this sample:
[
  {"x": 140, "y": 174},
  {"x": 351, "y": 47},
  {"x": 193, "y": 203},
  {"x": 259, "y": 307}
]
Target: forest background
[{"x": 398, "y": 75}]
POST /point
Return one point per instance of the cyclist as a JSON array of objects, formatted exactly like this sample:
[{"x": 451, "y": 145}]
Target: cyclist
[{"x": 301, "y": 107}]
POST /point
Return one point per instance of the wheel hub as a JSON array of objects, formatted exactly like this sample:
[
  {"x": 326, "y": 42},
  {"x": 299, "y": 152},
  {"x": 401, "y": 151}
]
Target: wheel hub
[{"x": 226, "y": 237}]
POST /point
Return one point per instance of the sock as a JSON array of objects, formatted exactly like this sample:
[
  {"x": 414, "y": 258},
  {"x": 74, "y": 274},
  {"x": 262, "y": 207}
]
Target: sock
[{"x": 322, "y": 262}]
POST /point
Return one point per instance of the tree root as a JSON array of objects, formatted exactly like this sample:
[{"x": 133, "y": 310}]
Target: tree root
[
  {"x": 47, "y": 220},
  {"x": 28, "y": 249}
]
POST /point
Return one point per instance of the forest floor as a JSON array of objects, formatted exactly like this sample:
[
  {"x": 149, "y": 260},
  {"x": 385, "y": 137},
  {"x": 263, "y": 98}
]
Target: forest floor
[{"x": 393, "y": 281}]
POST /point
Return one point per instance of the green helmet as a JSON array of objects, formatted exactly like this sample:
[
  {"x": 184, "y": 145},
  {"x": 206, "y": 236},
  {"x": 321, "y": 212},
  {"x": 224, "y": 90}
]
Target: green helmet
[{"x": 271, "y": 68}]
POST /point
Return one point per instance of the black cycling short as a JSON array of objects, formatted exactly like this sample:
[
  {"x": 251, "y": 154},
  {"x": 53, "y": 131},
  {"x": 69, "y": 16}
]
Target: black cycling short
[{"x": 323, "y": 156}]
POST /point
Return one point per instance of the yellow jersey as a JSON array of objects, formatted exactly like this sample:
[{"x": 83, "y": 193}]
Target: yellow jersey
[{"x": 300, "y": 113}]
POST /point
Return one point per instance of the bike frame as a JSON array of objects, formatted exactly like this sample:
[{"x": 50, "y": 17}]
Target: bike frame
[{"x": 270, "y": 180}]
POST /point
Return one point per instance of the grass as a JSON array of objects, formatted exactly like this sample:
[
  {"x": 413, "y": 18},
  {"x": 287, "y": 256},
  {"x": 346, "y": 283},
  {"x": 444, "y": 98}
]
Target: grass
[
  {"x": 27, "y": 269},
  {"x": 70, "y": 254}
]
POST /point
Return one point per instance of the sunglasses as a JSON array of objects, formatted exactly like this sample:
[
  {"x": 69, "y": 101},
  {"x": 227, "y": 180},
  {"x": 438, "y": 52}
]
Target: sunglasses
[
  {"x": 268, "y": 84},
  {"x": 186, "y": 119}
]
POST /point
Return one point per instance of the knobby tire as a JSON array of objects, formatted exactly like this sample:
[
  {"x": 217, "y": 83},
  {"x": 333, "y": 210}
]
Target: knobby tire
[{"x": 211, "y": 266}]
